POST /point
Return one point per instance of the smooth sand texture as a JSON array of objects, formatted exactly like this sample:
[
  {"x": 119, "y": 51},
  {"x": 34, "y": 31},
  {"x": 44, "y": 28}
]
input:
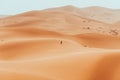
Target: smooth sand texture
[{"x": 59, "y": 44}]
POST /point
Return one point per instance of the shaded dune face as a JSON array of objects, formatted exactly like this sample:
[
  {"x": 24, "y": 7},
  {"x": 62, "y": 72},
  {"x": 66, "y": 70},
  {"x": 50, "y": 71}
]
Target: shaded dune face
[
  {"x": 107, "y": 65},
  {"x": 60, "y": 44},
  {"x": 99, "y": 41},
  {"x": 11, "y": 33}
]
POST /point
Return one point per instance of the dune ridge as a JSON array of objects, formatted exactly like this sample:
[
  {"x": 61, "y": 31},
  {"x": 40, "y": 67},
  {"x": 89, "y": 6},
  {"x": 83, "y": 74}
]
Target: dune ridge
[{"x": 63, "y": 43}]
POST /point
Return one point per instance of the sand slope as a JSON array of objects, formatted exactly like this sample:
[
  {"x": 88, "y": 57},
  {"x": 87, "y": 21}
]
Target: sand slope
[
  {"x": 59, "y": 44},
  {"x": 105, "y": 15},
  {"x": 102, "y": 14}
]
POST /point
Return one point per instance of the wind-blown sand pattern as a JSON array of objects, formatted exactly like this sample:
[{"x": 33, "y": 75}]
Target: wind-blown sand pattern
[{"x": 65, "y": 43}]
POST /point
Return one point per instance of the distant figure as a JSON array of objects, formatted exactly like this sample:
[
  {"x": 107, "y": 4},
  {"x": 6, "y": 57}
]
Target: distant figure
[
  {"x": 61, "y": 42},
  {"x": 85, "y": 45}
]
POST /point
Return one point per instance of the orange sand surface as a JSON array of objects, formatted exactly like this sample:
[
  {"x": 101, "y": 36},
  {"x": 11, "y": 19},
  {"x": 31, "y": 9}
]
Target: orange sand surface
[{"x": 65, "y": 43}]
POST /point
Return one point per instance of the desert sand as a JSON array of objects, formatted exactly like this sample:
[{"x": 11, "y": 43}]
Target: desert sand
[
  {"x": 4, "y": 16},
  {"x": 64, "y": 43}
]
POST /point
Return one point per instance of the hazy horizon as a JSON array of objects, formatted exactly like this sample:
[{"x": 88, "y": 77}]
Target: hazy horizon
[{"x": 19, "y": 6}]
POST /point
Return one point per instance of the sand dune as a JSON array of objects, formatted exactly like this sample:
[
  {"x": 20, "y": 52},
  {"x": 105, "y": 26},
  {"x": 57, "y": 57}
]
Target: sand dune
[
  {"x": 60, "y": 21},
  {"x": 64, "y": 20},
  {"x": 99, "y": 41},
  {"x": 4, "y": 16},
  {"x": 102, "y": 14},
  {"x": 63, "y": 43},
  {"x": 105, "y": 15}
]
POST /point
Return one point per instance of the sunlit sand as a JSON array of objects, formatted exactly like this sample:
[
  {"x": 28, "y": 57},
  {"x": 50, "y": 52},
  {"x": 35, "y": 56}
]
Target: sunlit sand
[{"x": 65, "y": 43}]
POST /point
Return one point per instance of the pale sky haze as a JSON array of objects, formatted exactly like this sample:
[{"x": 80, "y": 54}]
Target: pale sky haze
[{"x": 10, "y": 7}]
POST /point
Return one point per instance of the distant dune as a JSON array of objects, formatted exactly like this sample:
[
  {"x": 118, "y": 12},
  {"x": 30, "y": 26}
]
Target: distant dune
[
  {"x": 3, "y": 16},
  {"x": 63, "y": 43},
  {"x": 102, "y": 14}
]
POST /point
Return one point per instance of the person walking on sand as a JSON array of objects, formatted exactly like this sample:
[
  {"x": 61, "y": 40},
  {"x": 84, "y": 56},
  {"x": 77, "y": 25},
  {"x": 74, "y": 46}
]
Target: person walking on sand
[{"x": 61, "y": 42}]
